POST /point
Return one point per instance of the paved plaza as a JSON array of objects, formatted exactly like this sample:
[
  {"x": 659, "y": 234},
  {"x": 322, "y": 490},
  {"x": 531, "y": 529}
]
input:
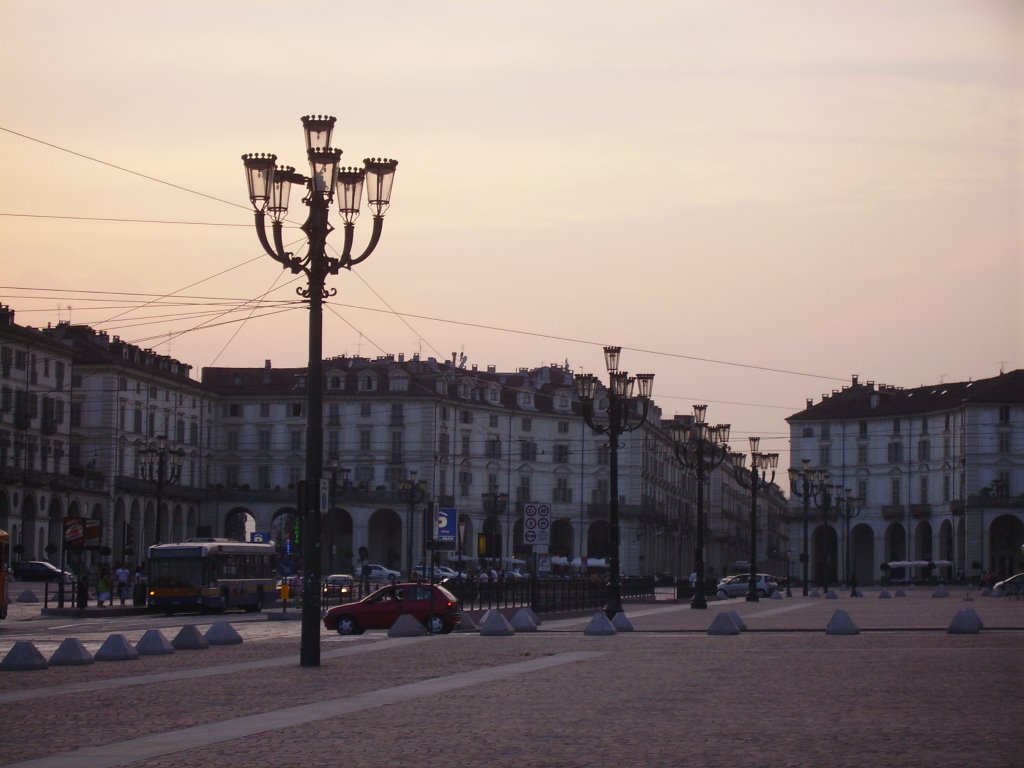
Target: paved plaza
[{"x": 903, "y": 692}]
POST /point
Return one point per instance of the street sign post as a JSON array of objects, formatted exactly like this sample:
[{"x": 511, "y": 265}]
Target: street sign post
[{"x": 537, "y": 524}]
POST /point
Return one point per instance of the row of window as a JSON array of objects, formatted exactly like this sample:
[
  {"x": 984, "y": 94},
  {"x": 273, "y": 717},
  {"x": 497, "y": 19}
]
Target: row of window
[
  {"x": 20, "y": 359},
  {"x": 895, "y": 453},
  {"x": 825, "y": 430}
]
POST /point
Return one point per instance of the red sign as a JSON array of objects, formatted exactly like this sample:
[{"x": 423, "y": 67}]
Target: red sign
[{"x": 82, "y": 533}]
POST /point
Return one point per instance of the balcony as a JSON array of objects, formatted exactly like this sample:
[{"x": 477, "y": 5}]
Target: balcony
[
  {"x": 920, "y": 511},
  {"x": 892, "y": 511}
]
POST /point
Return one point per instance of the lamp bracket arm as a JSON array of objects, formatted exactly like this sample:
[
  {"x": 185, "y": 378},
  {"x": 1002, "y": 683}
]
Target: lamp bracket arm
[
  {"x": 277, "y": 254},
  {"x": 378, "y": 226}
]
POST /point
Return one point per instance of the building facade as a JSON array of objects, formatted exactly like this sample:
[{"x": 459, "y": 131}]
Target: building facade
[
  {"x": 938, "y": 472},
  {"x": 96, "y": 427}
]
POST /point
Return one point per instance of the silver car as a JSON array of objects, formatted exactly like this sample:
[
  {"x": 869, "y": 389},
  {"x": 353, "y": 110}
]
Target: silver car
[{"x": 739, "y": 585}]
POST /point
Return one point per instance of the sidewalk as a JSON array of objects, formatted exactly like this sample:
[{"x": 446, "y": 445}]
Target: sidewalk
[{"x": 903, "y": 692}]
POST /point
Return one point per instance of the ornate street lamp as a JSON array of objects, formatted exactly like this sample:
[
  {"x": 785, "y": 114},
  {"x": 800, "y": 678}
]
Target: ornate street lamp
[
  {"x": 807, "y": 484},
  {"x": 270, "y": 190},
  {"x": 620, "y": 417},
  {"x": 849, "y": 508},
  {"x": 760, "y": 465},
  {"x": 336, "y": 492},
  {"x": 161, "y": 465},
  {"x": 415, "y": 492},
  {"x": 700, "y": 447}
]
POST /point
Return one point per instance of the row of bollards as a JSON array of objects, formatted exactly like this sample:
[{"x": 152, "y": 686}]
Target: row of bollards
[{"x": 25, "y": 656}]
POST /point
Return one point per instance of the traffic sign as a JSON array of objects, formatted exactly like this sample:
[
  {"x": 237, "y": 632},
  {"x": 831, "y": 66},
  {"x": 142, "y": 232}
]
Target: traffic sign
[{"x": 537, "y": 524}]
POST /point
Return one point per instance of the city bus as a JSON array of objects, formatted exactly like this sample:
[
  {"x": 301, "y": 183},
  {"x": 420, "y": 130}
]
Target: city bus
[
  {"x": 211, "y": 575},
  {"x": 5, "y": 555}
]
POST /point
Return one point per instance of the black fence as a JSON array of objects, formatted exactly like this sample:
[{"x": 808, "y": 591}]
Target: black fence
[{"x": 545, "y": 595}]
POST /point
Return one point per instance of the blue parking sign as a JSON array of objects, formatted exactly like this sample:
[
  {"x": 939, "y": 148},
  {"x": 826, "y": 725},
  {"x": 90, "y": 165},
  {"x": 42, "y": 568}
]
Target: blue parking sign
[{"x": 446, "y": 524}]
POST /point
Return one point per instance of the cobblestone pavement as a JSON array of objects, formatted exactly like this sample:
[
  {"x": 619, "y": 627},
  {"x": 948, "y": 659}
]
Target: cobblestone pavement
[{"x": 903, "y": 692}]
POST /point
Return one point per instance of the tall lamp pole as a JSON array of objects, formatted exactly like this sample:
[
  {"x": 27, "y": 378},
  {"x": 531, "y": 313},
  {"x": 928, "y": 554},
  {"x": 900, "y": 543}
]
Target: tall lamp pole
[
  {"x": 416, "y": 491},
  {"x": 269, "y": 190},
  {"x": 849, "y": 508},
  {"x": 620, "y": 417},
  {"x": 161, "y": 465},
  {"x": 334, "y": 468},
  {"x": 700, "y": 447},
  {"x": 760, "y": 465},
  {"x": 806, "y": 483}
]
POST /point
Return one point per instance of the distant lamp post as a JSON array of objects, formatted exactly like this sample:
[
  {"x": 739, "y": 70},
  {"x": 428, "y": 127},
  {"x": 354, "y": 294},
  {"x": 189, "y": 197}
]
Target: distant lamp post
[
  {"x": 760, "y": 465},
  {"x": 414, "y": 492},
  {"x": 335, "y": 493},
  {"x": 269, "y": 191},
  {"x": 620, "y": 417},
  {"x": 161, "y": 465},
  {"x": 806, "y": 483},
  {"x": 700, "y": 447},
  {"x": 824, "y": 504},
  {"x": 495, "y": 504},
  {"x": 462, "y": 544},
  {"x": 849, "y": 508}
]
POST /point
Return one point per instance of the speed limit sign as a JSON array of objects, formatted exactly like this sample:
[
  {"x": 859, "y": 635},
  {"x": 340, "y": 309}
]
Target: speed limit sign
[{"x": 537, "y": 524}]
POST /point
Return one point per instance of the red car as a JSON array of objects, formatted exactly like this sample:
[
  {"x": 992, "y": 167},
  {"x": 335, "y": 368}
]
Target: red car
[{"x": 432, "y": 605}]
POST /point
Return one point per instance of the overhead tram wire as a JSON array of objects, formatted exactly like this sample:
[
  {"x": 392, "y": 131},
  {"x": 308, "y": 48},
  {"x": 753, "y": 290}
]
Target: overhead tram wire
[
  {"x": 198, "y": 282},
  {"x": 399, "y": 315},
  {"x": 122, "y": 168},
  {"x": 553, "y": 337},
  {"x": 256, "y": 305},
  {"x": 207, "y": 326},
  {"x": 120, "y": 220},
  {"x": 334, "y": 312},
  {"x": 482, "y": 326},
  {"x": 533, "y": 334}
]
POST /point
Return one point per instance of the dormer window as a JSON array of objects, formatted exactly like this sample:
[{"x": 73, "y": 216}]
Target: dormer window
[
  {"x": 399, "y": 383},
  {"x": 525, "y": 399},
  {"x": 367, "y": 383}
]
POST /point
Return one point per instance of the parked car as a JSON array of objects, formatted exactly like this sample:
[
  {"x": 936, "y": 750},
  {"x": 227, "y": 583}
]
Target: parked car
[
  {"x": 338, "y": 586},
  {"x": 431, "y": 604},
  {"x": 378, "y": 573},
  {"x": 739, "y": 585},
  {"x": 40, "y": 570}
]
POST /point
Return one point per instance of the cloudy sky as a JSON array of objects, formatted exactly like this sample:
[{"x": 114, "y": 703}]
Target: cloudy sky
[{"x": 754, "y": 199}]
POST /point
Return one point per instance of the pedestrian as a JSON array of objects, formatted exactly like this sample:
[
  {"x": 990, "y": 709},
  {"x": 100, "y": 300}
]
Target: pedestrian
[
  {"x": 122, "y": 575},
  {"x": 853, "y": 585},
  {"x": 83, "y": 589},
  {"x": 102, "y": 588}
]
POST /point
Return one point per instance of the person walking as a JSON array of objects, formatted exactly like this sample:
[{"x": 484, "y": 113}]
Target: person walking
[
  {"x": 102, "y": 588},
  {"x": 122, "y": 574}
]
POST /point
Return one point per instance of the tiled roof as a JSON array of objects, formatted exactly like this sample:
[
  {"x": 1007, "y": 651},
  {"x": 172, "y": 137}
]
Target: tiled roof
[{"x": 861, "y": 401}]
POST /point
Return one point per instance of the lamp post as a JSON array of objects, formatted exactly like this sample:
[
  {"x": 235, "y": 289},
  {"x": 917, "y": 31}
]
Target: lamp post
[
  {"x": 334, "y": 469},
  {"x": 269, "y": 190},
  {"x": 462, "y": 539},
  {"x": 700, "y": 447},
  {"x": 824, "y": 504},
  {"x": 849, "y": 508},
  {"x": 621, "y": 417},
  {"x": 806, "y": 483},
  {"x": 760, "y": 464},
  {"x": 495, "y": 505},
  {"x": 161, "y": 465},
  {"x": 415, "y": 492}
]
